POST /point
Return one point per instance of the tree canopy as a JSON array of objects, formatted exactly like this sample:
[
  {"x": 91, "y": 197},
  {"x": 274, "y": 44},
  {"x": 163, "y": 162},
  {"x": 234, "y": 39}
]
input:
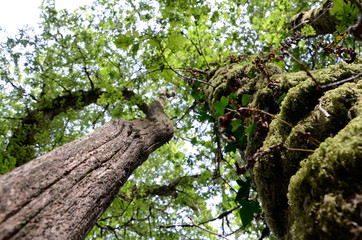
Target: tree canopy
[{"x": 105, "y": 61}]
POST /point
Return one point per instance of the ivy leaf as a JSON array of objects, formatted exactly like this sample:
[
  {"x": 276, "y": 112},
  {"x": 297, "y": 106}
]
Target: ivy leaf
[
  {"x": 251, "y": 129},
  {"x": 245, "y": 99},
  {"x": 243, "y": 141},
  {"x": 204, "y": 116},
  {"x": 236, "y": 124},
  {"x": 247, "y": 210},
  {"x": 244, "y": 190},
  {"x": 255, "y": 207},
  {"x": 230, "y": 147},
  {"x": 220, "y": 106}
]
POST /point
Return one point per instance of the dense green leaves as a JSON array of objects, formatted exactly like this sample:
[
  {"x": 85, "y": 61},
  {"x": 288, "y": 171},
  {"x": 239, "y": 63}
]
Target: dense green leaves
[{"x": 346, "y": 12}]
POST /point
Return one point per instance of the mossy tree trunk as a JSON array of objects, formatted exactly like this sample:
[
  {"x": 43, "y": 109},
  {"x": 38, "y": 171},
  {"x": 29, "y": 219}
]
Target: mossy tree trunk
[
  {"x": 310, "y": 187},
  {"x": 61, "y": 194}
]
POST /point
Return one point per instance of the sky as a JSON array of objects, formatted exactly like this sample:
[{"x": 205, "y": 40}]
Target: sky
[{"x": 16, "y": 14}]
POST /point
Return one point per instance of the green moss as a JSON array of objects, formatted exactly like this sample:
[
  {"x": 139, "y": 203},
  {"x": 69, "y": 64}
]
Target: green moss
[
  {"x": 326, "y": 188},
  {"x": 301, "y": 108},
  {"x": 235, "y": 78}
]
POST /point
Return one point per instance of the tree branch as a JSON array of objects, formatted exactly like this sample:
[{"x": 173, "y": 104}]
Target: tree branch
[
  {"x": 205, "y": 229},
  {"x": 320, "y": 19},
  {"x": 356, "y": 30}
]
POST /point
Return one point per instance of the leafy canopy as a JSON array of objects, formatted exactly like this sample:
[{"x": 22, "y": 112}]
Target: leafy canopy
[{"x": 102, "y": 61}]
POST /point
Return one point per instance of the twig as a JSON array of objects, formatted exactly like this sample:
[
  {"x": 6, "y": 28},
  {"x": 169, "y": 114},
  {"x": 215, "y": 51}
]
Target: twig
[
  {"x": 189, "y": 78},
  {"x": 177, "y": 73},
  {"x": 219, "y": 159},
  {"x": 186, "y": 112},
  {"x": 205, "y": 229},
  {"x": 237, "y": 230},
  {"x": 350, "y": 79},
  {"x": 228, "y": 184},
  {"x": 220, "y": 216},
  {"x": 197, "y": 49},
  {"x": 300, "y": 150},
  {"x": 306, "y": 21},
  {"x": 286, "y": 52},
  {"x": 85, "y": 68},
  {"x": 273, "y": 116}
]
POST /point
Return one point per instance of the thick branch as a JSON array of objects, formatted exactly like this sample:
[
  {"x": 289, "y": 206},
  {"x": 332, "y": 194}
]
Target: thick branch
[
  {"x": 21, "y": 144},
  {"x": 169, "y": 190},
  {"x": 320, "y": 19},
  {"x": 356, "y": 30}
]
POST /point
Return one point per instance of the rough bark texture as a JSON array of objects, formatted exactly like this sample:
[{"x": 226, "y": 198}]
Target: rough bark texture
[
  {"x": 61, "y": 194},
  {"x": 304, "y": 195},
  {"x": 320, "y": 19}
]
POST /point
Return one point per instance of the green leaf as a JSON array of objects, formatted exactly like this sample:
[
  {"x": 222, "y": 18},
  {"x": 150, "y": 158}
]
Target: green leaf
[
  {"x": 251, "y": 129},
  {"x": 337, "y": 7},
  {"x": 308, "y": 30},
  {"x": 236, "y": 124},
  {"x": 246, "y": 213},
  {"x": 204, "y": 116},
  {"x": 176, "y": 41},
  {"x": 135, "y": 48},
  {"x": 247, "y": 210},
  {"x": 252, "y": 75},
  {"x": 244, "y": 190},
  {"x": 255, "y": 207},
  {"x": 245, "y": 99},
  {"x": 243, "y": 141},
  {"x": 230, "y": 147},
  {"x": 281, "y": 98},
  {"x": 124, "y": 41},
  {"x": 232, "y": 96},
  {"x": 220, "y": 106}
]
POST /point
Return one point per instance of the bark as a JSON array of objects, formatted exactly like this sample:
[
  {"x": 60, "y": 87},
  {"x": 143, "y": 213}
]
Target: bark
[
  {"x": 320, "y": 19},
  {"x": 312, "y": 194},
  {"x": 61, "y": 194}
]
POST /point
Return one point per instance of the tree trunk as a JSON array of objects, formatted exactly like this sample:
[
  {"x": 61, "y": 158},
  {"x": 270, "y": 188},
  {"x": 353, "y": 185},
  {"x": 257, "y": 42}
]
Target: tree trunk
[
  {"x": 61, "y": 194},
  {"x": 305, "y": 161}
]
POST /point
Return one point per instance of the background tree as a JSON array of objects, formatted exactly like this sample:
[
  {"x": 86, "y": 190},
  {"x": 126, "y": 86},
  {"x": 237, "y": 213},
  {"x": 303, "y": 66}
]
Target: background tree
[{"x": 106, "y": 60}]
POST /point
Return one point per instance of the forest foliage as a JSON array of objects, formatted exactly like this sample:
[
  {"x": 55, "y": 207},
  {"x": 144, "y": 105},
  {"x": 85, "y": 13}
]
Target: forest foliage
[{"x": 80, "y": 69}]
